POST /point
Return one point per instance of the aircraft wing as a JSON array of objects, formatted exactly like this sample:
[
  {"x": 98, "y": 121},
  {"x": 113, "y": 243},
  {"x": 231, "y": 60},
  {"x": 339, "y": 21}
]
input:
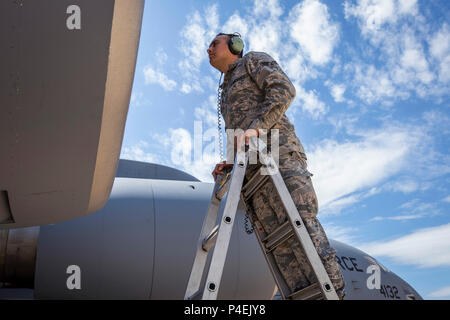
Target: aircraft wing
[{"x": 67, "y": 73}]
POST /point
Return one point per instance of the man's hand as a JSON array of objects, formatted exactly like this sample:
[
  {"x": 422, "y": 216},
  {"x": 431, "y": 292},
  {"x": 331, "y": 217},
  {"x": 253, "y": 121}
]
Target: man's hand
[
  {"x": 244, "y": 137},
  {"x": 239, "y": 141},
  {"x": 220, "y": 167}
]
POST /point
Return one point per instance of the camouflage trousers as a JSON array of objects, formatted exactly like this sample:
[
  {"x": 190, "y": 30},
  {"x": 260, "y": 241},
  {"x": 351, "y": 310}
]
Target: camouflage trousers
[{"x": 267, "y": 207}]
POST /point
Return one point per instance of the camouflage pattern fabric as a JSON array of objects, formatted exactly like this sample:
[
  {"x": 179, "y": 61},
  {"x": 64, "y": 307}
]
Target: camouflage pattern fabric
[
  {"x": 256, "y": 94},
  {"x": 268, "y": 209}
]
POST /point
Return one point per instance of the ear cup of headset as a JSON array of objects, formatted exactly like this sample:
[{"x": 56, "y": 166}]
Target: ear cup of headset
[{"x": 236, "y": 45}]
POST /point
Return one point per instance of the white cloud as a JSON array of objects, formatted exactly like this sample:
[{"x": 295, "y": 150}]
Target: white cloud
[
  {"x": 446, "y": 199},
  {"x": 440, "y": 42},
  {"x": 311, "y": 27},
  {"x": 153, "y": 76},
  {"x": 161, "y": 56},
  {"x": 397, "y": 32},
  {"x": 137, "y": 99},
  {"x": 412, "y": 204},
  {"x": 337, "y": 91},
  {"x": 405, "y": 185},
  {"x": 196, "y": 36},
  {"x": 200, "y": 163},
  {"x": 137, "y": 152},
  {"x": 429, "y": 247},
  {"x": 340, "y": 233},
  {"x": 373, "y": 15},
  {"x": 267, "y": 8},
  {"x": 413, "y": 58},
  {"x": 440, "y": 50},
  {"x": 407, "y": 6},
  {"x": 307, "y": 38},
  {"x": 296, "y": 68},
  {"x": 440, "y": 293},
  {"x": 336, "y": 206},
  {"x": 399, "y": 218},
  {"x": 207, "y": 113},
  {"x": 203, "y": 167},
  {"x": 185, "y": 88},
  {"x": 418, "y": 209},
  {"x": 195, "y": 154},
  {"x": 211, "y": 20},
  {"x": 343, "y": 121},
  {"x": 438, "y": 120},
  {"x": 373, "y": 85},
  {"x": 161, "y": 139},
  {"x": 236, "y": 24},
  {"x": 265, "y": 37},
  {"x": 192, "y": 86},
  {"x": 264, "y": 28},
  {"x": 310, "y": 102},
  {"x": 341, "y": 169},
  {"x": 406, "y": 73},
  {"x": 181, "y": 146},
  {"x": 405, "y": 69}
]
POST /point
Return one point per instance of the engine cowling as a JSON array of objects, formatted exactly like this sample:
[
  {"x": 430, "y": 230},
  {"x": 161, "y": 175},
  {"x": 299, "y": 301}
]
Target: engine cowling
[{"x": 141, "y": 245}]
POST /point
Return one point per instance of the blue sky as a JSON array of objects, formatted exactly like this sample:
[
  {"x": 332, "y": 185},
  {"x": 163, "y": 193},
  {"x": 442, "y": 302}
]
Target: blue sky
[{"x": 372, "y": 80}]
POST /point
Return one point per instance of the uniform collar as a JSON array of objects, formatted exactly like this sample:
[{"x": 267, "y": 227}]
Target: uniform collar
[{"x": 233, "y": 65}]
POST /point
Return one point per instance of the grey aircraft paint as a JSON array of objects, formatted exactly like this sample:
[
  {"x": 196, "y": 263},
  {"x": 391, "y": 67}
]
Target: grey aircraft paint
[
  {"x": 355, "y": 265},
  {"x": 64, "y": 97},
  {"x": 141, "y": 245}
]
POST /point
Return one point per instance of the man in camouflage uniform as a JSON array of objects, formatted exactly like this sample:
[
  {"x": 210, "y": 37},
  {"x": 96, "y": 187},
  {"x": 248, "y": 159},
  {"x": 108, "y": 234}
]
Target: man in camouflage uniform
[{"x": 256, "y": 94}]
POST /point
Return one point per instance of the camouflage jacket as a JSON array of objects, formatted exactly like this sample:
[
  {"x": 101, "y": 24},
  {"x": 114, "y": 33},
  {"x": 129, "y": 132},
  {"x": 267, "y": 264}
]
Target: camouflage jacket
[{"x": 256, "y": 94}]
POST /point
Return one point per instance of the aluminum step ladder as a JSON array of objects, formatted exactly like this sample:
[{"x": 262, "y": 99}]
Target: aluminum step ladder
[{"x": 220, "y": 234}]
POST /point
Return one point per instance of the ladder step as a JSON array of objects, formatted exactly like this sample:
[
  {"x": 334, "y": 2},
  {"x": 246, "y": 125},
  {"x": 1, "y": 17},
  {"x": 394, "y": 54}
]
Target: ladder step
[
  {"x": 219, "y": 235},
  {"x": 276, "y": 231},
  {"x": 224, "y": 183},
  {"x": 210, "y": 239},
  {"x": 309, "y": 293},
  {"x": 195, "y": 296},
  {"x": 253, "y": 184},
  {"x": 273, "y": 244}
]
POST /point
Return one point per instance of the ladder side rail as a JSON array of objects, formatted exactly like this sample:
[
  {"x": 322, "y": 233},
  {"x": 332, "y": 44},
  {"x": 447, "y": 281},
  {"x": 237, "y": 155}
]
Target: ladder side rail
[
  {"x": 225, "y": 229},
  {"x": 201, "y": 256},
  {"x": 272, "y": 169},
  {"x": 302, "y": 234}
]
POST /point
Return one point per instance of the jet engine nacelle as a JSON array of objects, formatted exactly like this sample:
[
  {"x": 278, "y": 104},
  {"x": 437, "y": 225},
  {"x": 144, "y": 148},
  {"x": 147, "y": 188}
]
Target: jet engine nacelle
[{"x": 141, "y": 245}]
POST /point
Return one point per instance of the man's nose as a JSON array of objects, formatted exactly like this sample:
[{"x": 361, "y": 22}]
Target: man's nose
[{"x": 208, "y": 50}]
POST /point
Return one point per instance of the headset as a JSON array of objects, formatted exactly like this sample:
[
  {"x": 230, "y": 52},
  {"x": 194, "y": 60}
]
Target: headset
[
  {"x": 236, "y": 46},
  {"x": 235, "y": 43}
]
